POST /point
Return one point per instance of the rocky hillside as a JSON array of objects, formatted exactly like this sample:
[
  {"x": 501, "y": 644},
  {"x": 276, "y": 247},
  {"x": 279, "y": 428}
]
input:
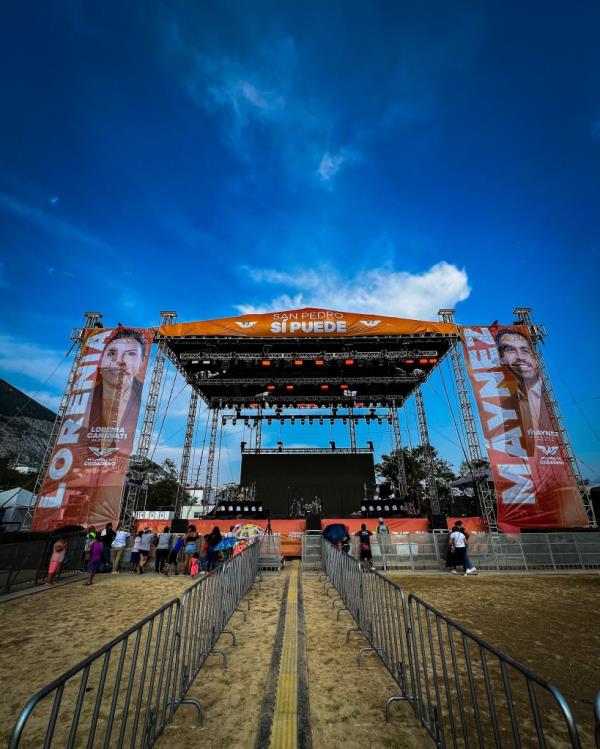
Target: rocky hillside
[{"x": 25, "y": 426}]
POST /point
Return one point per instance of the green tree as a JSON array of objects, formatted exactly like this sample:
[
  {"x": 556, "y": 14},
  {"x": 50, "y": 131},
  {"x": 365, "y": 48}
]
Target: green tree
[{"x": 476, "y": 466}]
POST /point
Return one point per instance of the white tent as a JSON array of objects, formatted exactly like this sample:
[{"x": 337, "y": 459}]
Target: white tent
[{"x": 13, "y": 506}]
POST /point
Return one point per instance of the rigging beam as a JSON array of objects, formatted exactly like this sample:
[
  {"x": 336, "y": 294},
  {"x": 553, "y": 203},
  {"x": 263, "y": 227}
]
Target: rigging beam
[
  {"x": 211, "y": 457},
  {"x": 400, "y": 467},
  {"x": 430, "y": 481},
  {"x": 187, "y": 452}
]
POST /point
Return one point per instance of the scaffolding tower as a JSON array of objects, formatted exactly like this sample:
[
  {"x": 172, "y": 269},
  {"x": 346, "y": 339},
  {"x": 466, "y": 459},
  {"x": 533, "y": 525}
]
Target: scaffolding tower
[
  {"x": 78, "y": 336},
  {"x": 138, "y": 465},
  {"x": 187, "y": 452},
  {"x": 400, "y": 467},
  {"x": 486, "y": 499},
  {"x": 430, "y": 483},
  {"x": 211, "y": 456},
  {"x": 538, "y": 333}
]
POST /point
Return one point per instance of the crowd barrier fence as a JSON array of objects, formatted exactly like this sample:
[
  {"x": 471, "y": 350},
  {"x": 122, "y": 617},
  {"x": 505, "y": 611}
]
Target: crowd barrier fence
[
  {"x": 126, "y": 692},
  {"x": 487, "y": 551},
  {"x": 464, "y": 691},
  {"x": 25, "y": 564}
]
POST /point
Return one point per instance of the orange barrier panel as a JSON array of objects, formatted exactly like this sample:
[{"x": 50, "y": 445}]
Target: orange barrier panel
[
  {"x": 397, "y": 525},
  {"x": 469, "y": 524}
]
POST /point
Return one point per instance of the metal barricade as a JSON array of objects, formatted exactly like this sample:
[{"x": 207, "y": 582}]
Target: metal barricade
[
  {"x": 126, "y": 692},
  {"x": 270, "y": 559},
  {"x": 464, "y": 691},
  {"x": 311, "y": 551},
  {"x": 25, "y": 564}
]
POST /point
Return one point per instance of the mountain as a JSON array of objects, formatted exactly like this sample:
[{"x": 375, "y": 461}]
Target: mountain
[{"x": 25, "y": 426}]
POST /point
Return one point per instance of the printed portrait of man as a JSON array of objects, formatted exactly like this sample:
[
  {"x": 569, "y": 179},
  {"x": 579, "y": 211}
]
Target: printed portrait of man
[
  {"x": 518, "y": 356},
  {"x": 117, "y": 393}
]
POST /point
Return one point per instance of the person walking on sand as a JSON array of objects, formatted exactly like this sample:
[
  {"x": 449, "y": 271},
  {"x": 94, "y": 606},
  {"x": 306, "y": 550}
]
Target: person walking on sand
[
  {"x": 145, "y": 544},
  {"x": 364, "y": 540},
  {"x": 96, "y": 551},
  {"x": 118, "y": 547},
  {"x": 58, "y": 557}
]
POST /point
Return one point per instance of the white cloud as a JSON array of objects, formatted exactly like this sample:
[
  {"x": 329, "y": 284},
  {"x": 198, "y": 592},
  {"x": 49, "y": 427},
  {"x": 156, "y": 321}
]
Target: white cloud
[
  {"x": 331, "y": 164},
  {"x": 46, "y": 398},
  {"x": 41, "y": 364},
  {"x": 378, "y": 290}
]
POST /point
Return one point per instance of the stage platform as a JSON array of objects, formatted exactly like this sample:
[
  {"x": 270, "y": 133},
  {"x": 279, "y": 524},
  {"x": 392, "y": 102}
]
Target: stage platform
[{"x": 292, "y": 530}]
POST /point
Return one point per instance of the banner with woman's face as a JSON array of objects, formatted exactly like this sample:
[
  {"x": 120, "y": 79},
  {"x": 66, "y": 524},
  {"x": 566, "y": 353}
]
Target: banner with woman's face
[{"x": 85, "y": 476}]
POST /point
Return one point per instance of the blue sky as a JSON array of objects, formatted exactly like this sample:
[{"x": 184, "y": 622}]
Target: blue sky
[{"x": 377, "y": 157}]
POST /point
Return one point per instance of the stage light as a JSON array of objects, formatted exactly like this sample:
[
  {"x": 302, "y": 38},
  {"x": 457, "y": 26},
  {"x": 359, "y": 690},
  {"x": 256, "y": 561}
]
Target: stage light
[
  {"x": 269, "y": 422},
  {"x": 206, "y": 361},
  {"x": 432, "y": 361},
  {"x": 254, "y": 405},
  {"x": 293, "y": 420},
  {"x": 253, "y": 508},
  {"x": 271, "y": 388},
  {"x": 367, "y": 419},
  {"x": 234, "y": 421},
  {"x": 389, "y": 421},
  {"x": 344, "y": 420},
  {"x": 289, "y": 388},
  {"x": 282, "y": 421},
  {"x": 349, "y": 362},
  {"x": 195, "y": 361},
  {"x": 378, "y": 508},
  {"x": 356, "y": 419},
  {"x": 332, "y": 443},
  {"x": 324, "y": 387},
  {"x": 265, "y": 362},
  {"x": 363, "y": 508},
  {"x": 298, "y": 362},
  {"x": 409, "y": 361},
  {"x": 303, "y": 421},
  {"x": 320, "y": 421},
  {"x": 230, "y": 508},
  {"x": 310, "y": 421},
  {"x": 319, "y": 362},
  {"x": 344, "y": 387},
  {"x": 394, "y": 508},
  {"x": 371, "y": 508},
  {"x": 260, "y": 508},
  {"x": 224, "y": 421},
  {"x": 332, "y": 421},
  {"x": 386, "y": 508},
  {"x": 379, "y": 421},
  {"x": 238, "y": 508},
  {"x": 246, "y": 422},
  {"x": 423, "y": 361}
]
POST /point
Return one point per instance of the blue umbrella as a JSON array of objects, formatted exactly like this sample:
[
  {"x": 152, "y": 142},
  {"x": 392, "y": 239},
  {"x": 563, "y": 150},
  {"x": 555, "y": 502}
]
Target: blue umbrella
[
  {"x": 226, "y": 543},
  {"x": 335, "y": 532}
]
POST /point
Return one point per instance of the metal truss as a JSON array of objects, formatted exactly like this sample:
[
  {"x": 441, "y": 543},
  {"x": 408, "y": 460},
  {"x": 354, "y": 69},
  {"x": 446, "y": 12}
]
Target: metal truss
[
  {"x": 378, "y": 400},
  {"x": 310, "y": 450},
  {"x": 139, "y": 460},
  {"x": 78, "y": 338},
  {"x": 486, "y": 500},
  {"x": 352, "y": 418},
  {"x": 430, "y": 481},
  {"x": 352, "y": 424},
  {"x": 538, "y": 334},
  {"x": 403, "y": 377},
  {"x": 211, "y": 456},
  {"x": 400, "y": 467},
  {"x": 196, "y": 357},
  {"x": 258, "y": 423},
  {"x": 187, "y": 452}
]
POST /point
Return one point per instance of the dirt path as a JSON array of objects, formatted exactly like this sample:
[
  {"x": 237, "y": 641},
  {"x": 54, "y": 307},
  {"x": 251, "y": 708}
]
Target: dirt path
[{"x": 347, "y": 702}]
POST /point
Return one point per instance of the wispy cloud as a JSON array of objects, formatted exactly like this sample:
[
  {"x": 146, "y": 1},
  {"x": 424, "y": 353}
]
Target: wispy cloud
[
  {"x": 378, "y": 290},
  {"x": 331, "y": 163},
  {"x": 44, "y": 365}
]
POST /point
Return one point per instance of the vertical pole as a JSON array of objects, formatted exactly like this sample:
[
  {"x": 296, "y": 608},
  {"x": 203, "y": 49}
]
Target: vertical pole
[
  {"x": 78, "y": 338},
  {"x": 259, "y": 421},
  {"x": 538, "y": 333},
  {"x": 211, "y": 456},
  {"x": 430, "y": 483},
  {"x": 352, "y": 426},
  {"x": 138, "y": 463},
  {"x": 187, "y": 452},
  {"x": 486, "y": 500},
  {"x": 401, "y": 476}
]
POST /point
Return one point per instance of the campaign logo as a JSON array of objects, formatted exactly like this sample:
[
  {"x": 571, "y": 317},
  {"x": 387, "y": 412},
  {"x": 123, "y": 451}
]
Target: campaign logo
[
  {"x": 102, "y": 459},
  {"x": 550, "y": 455},
  {"x": 370, "y": 323},
  {"x": 245, "y": 324},
  {"x": 103, "y": 452},
  {"x": 548, "y": 450}
]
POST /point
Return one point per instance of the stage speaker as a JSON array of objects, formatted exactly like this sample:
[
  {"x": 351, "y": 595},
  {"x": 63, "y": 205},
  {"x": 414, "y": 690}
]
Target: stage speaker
[
  {"x": 180, "y": 525},
  {"x": 313, "y": 522},
  {"x": 437, "y": 522}
]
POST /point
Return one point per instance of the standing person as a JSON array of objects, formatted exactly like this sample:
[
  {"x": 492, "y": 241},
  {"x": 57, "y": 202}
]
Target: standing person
[
  {"x": 383, "y": 536},
  {"x": 213, "y": 538},
  {"x": 145, "y": 543},
  {"x": 163, "y": 542},
  {"x": 458, "y": 525},
  {"x": 118, "y": 547},
  {"x": 89, "y": 540},
  {"x": 364, "y": 539},
  {"x": 195, "y": 565},
  {"x": 134, "y": 561},
  {"x": 58, "y": 557},
  {"x": 458, "y": 544},
  {"x": 173, "y": 566},
  {"x": 190, "y": 547},
  {"x": 96, "y": 552},
  {"x": 107, "y": 537},
  {"x": 228, "y": 550}
]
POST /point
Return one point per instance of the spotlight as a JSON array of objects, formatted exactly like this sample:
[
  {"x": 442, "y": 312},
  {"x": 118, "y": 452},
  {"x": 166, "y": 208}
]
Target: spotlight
[
  {"x": 303, "y": 421},
  {"x": 289, "y": 388},
  {"x": 282, "y": 421},
  {"x": 293, "y": 420},
  {"x": 246, "y": 422},
  {"x": 389, "y": 421},
  {"x": 409, "y": 361},
  {"x": 265, "y": 362},
  {"x": 310, "y": 421},
  {"x": 269, "y": 422},
  {"x": 423, "y": 361},
  {"x": 324, "y": 387},
  {"x": 344, "y": 420},
  {"x": 319, "y": 362},
  {"x": 432, "y": 361},
  {"x": 344, "y": 387},
  {"x": 349, "y": 362},
  {"x": 224, "y": 421},
  {"x": 234, "y": 421},
  {"x": 320, "y": 421},
  {"x": 367, "y": 419},
  {"x": 332, "y": 421},
  {"x": 379, "y": 421},
  {"x": 298, "y": 362},
  {"x": 271, "y": 388}
]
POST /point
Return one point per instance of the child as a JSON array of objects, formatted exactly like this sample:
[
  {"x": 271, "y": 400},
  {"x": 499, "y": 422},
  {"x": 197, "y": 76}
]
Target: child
[
  {"x": 95, "y": 558},
  {"x": 56, "y": 560},
  {"x": 134, "y": 560},
  {"x": 173, "y": 556},
  {"x": 195, "y": 568}
]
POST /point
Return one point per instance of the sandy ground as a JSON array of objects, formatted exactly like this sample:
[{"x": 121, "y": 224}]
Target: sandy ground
[
  {"x": 232, "y": 698},
  {"x": 43, "y": 635},
  {"x": 347, "y": 702},
  {"x": 547, "y": 622}
]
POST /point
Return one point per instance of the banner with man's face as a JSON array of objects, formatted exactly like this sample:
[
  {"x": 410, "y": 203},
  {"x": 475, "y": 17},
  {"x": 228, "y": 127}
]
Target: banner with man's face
[
  {"x": 535, "y": 485},
  {"x": 85, "y": 477}
]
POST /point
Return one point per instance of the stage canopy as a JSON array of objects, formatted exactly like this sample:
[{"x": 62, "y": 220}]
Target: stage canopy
[{"x": 307, "y": 356}]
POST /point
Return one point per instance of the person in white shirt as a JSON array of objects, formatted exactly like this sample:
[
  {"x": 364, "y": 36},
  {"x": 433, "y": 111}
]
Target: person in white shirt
[
  {"x": 163, "y": 542},
  {"x": 458, "y": 547},
  {"x": 135, "y": 553},
  {"x": 145, "y": 543},
  {"x": 118, "y": 547}
]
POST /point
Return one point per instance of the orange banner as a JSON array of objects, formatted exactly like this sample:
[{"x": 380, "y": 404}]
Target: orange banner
[
  {"x": 307, "y": 322},
  {"x": 534, "y": 481},
  {"x": 85, "y": 476}
]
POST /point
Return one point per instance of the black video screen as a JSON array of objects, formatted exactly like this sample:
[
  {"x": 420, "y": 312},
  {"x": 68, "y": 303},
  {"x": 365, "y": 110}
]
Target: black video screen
[{"x": 284, "y": 481}]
